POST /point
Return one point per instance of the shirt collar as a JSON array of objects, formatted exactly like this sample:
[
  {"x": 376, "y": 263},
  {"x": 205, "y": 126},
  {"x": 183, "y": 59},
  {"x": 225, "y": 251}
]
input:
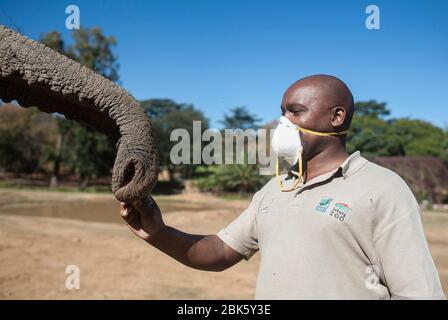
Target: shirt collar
[{"x": 350, "y": 165}]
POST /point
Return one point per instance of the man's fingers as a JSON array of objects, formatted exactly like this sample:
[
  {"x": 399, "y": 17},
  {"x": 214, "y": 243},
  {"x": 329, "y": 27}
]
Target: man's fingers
[
  {"x": 133, "y": 218},
  {"x": 125, "y": 205},
  {"x": 134, "y": 214},
  {"x": 128, "y": 213}
]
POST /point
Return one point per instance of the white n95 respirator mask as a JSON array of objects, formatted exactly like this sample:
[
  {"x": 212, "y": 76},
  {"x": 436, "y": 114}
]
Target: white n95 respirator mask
[
  {"x": 286, "y": 144},
  {"x": 286, "y": 141}
]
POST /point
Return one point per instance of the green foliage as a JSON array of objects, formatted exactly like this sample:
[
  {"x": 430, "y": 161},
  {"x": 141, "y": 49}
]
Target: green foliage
[
  {"x": 54, "y": 41},
  {"x": 419, "y": 137},
  {"x": 421, "y": 195},
  {"x": 374, "y": 135},
  {"x": 17, "y": 152},
  {"x": 167, "y": 115},
  {"x": 168, "y": 187},
  {"x": 158, "y": 108},
  {"x": 241, "y": 178},
  {"x": 88, "y": 153},
  {"x": 240, "y": 118},
  {"x": 24, "y": 134},
  {"x": 94, "y": 50},
  {"x": 371, "y": 108},
  {"x": 444, "y": 154},
  {"x": 91, "y": 48},
  {"x": 445, "y": 199}
]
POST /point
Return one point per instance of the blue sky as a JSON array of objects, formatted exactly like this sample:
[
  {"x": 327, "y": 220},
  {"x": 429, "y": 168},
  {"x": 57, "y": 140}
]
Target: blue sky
[{"x": 221, "y": 54}]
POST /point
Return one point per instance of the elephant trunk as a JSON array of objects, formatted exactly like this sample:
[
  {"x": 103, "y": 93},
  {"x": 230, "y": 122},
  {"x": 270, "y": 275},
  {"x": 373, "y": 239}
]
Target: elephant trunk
[{"x": 36, "y": 75}]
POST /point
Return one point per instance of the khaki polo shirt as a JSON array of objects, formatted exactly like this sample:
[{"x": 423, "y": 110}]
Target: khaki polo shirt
[{"x": 353, "y": 233}]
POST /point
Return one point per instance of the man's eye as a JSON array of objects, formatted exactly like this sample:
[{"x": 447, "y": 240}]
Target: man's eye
[{"x": 297, "y": 112}]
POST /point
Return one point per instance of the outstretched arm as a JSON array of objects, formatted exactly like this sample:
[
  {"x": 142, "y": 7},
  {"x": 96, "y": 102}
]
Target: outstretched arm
[{"x": 203, "y": 252}]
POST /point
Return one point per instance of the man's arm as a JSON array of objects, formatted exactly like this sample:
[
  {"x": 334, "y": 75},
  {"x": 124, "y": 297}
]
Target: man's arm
[{"x": 204, "y": 252}]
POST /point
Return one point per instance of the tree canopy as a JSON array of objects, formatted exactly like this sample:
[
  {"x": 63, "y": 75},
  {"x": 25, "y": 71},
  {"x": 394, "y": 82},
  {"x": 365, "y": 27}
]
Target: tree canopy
[
  {"x": 167, "y": 115},
  {"x": 240, "y": 118},
  {"x": 376, "y": 135}
]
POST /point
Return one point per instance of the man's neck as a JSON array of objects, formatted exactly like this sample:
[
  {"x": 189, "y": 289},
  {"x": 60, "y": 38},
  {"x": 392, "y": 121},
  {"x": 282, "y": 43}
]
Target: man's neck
[{"x": 326, "y": 161}]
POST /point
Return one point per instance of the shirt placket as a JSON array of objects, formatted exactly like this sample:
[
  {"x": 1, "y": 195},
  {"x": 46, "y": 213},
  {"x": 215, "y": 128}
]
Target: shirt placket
[{"x": 299, "y": 194}]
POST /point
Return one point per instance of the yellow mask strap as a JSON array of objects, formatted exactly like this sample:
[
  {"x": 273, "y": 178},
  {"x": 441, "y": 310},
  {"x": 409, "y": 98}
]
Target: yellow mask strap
[
  {"x": 298, "y": 180},
  {"x": 323, "y": 134}
]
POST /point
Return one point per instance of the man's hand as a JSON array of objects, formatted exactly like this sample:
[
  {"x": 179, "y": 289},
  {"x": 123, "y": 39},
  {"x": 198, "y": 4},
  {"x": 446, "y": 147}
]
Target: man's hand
[
  {"x": 143, "y": 218},
  {"x": 196, "y": 251}
]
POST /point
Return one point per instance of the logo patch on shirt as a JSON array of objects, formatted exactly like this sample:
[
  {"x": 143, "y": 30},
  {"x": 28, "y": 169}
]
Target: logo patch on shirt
[
  {"x": 323, "y": 204},
  {"x": 340, "y": 211},
  {"x": 266, "y": 207}
]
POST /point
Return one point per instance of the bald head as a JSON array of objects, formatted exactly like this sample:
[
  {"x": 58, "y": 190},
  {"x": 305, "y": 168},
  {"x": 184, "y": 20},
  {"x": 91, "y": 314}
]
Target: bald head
[
  {"x": 320, "y": 103},
  {"x": 324, "y": 102}
]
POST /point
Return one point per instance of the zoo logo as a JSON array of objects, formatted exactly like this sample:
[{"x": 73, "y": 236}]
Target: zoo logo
[
  {"x": 340, "y": 211},
  {"x": 266, "y": 207},
  {"x": 323, "y": 205}
]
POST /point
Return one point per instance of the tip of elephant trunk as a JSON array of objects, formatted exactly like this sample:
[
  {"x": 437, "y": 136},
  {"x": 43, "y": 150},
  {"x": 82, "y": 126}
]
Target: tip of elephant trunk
[{"x": 133, "y": 182}]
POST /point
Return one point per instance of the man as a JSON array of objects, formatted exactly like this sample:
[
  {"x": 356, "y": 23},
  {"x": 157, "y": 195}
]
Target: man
[{"x": 347, "y": 229}]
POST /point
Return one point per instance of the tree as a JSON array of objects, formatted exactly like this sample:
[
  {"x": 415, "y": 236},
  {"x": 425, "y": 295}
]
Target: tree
[
  {"x": 94, "y": 50},
  {"x": 57, "y": 154},
  {"x": 240, "y": 118},
  {"x": 91, "y": 154},
  {"x": 444, "y": 155},
  {"x": 54, "y": 41},
  {"x": 242, "y": 178},
  {"x": 371, "y": 108},
  {"x": 167, "y": 115},
  {"x": 419, "y": 137},
  {"x": 158, "y": 108},
  {"x": 24, "y": 135},
  {"x": 374, "y": 135}
]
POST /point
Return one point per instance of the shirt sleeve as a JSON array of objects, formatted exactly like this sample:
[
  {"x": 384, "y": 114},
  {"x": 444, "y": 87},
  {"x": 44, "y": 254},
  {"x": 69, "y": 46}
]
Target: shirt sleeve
[
  {"x": 241, "y": 234},
  {"x": 403, "y": 252}
]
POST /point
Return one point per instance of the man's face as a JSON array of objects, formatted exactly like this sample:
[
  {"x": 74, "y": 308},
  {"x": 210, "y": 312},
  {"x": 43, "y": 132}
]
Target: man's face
[{"x": 305, "y": 107}]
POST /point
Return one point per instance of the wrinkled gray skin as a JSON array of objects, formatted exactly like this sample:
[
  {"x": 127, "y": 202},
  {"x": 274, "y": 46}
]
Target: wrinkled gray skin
[{"x": 36, "y": 75}]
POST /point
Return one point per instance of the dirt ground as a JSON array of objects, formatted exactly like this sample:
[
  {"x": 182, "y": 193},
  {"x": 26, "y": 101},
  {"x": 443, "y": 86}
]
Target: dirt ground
[{"x": 41, "y": 233}]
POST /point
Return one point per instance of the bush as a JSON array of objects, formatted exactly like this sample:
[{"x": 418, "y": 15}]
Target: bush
[
  {"x": 242, "y": 178},
  {"x": 445, "y": 199},
  {"x": 168, "y": 187}
]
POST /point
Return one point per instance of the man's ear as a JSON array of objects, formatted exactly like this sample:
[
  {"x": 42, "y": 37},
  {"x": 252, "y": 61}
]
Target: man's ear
[{"x": 338, "y": 116}]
